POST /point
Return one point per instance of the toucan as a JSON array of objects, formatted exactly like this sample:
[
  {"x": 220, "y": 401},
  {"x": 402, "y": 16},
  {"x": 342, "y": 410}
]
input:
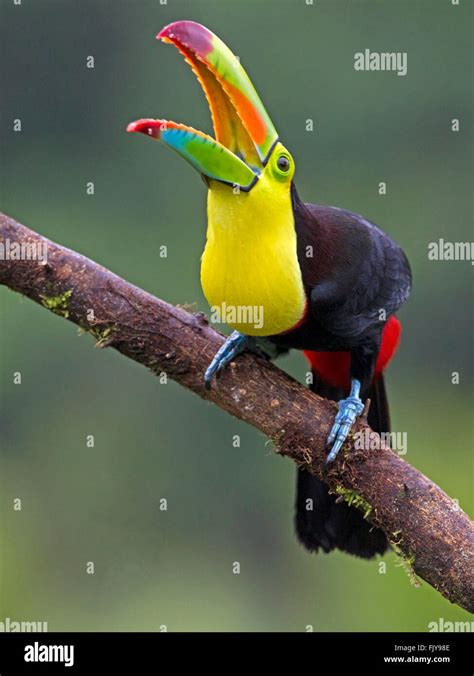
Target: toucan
[{"x": 323, "y": 280}]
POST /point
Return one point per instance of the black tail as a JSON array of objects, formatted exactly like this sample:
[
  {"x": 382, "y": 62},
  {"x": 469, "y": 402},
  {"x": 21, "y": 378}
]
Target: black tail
[{"x": 320, "y": 521}]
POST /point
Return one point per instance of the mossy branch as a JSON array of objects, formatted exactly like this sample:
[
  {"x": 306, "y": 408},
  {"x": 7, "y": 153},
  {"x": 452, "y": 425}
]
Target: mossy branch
[{"x": 428, "y": 528}]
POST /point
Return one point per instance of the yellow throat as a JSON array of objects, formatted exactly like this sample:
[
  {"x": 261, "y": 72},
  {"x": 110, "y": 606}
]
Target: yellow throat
[{"x": 249, "y": 270}]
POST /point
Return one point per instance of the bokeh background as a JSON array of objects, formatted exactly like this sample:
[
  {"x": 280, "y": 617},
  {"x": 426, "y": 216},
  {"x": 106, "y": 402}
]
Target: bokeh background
[{"x": 153, "y": 441}]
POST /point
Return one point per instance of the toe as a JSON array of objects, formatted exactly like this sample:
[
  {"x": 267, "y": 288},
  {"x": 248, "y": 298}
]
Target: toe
[
  {"x": 333, "y": 433},
  {"x": 334, "y": 451},
  {"x": 208, "y": 377}
]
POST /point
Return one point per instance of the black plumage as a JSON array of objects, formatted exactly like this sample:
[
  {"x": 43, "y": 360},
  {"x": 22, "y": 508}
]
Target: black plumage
[
  {"x": 327, "y": 522},
  {"x": 355, "y": 278}
]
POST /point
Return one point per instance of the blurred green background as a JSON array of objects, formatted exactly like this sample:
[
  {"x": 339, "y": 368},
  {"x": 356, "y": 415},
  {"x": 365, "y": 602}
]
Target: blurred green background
[{"x": 155, "y": 441}]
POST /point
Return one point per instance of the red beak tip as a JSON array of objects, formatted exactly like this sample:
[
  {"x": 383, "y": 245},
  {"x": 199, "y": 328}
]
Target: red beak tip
[
  {"x": 167, "y": 31},
  {"x": 148, "y": 127},
  {"x": 190, "y": 34},
  {"x": 182, "y": 31}
]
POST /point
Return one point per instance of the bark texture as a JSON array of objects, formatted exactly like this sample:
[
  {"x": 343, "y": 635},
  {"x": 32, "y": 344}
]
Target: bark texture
[{"x": 426, "y": 527}]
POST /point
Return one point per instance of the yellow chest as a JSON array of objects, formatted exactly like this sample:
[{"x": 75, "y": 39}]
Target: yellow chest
[{"x": 249, "y": 271}]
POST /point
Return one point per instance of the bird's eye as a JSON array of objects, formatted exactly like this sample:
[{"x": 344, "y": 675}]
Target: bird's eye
[{"x": 283, "y": 163}]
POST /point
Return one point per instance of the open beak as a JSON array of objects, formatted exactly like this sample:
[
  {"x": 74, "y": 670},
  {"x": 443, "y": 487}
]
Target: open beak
[{"x": 244, "y": 133}]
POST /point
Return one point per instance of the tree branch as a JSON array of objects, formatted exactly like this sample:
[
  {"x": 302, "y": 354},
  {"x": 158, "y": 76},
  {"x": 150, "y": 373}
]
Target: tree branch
[{"x": 425, "y": 526}]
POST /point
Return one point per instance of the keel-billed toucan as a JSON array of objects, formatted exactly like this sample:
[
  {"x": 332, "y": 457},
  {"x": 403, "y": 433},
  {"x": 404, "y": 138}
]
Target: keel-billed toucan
[{"x": 322, "y": 279}]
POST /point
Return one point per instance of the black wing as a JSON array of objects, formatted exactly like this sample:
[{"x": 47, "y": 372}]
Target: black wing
[{"x": 355, "y": 275}]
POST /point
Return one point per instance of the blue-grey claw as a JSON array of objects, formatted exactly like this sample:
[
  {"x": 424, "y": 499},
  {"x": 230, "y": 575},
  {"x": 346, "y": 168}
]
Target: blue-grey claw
[
  {"x": 349, "y": 410},
  {"x": 233, "y": 346}
]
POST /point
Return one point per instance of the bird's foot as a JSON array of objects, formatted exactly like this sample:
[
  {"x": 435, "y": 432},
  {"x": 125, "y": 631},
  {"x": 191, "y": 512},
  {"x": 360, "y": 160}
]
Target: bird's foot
[
  {"x": 233, "y": 346},
  {"x": 349, "y": 410}
]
